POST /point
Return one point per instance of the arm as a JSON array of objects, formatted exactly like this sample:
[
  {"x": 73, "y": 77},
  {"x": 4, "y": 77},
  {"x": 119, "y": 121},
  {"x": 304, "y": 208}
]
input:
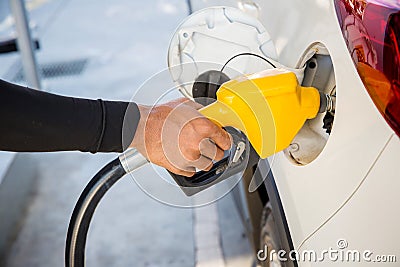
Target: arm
[
  {"x": 173, "y": 135},
  {"x": 34, "y": 121}
]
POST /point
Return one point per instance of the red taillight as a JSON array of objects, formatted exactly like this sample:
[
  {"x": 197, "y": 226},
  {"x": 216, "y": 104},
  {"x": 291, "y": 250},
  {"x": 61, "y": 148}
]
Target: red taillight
[{"x": 371, "y": 29}]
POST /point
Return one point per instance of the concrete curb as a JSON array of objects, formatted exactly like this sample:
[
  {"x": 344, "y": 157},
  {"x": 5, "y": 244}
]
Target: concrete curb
[{"x": 208, "y": 249}]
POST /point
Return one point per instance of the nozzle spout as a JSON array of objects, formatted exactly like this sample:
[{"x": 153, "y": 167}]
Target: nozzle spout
[{"x": 327, "y": 103}]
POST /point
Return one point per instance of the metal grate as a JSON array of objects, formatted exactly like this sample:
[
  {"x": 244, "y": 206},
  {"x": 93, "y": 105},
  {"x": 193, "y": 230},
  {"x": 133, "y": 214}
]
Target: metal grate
[{"x": 56, "y": 69}]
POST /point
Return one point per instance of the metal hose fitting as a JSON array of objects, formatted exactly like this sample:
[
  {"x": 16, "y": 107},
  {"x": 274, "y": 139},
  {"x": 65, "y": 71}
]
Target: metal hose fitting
[{"x": 327, "y": 103}]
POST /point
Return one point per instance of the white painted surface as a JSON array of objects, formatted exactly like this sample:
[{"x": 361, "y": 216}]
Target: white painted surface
[
  {"x": 370, "y": 220},
  {"x": 313, "y": 195}
]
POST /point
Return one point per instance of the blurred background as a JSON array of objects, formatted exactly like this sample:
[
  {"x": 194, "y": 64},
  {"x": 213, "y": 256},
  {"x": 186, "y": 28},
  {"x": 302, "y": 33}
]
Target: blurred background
[{"x": 100, "y": 49}]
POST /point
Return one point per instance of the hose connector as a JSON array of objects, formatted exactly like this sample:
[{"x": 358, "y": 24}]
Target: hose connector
[
  {"x": 327, "y": 103},
  {"x": 131, "y": 160}
]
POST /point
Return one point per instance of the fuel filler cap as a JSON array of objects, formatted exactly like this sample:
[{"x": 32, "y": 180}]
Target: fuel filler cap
[{"x": 207, "y": 39}]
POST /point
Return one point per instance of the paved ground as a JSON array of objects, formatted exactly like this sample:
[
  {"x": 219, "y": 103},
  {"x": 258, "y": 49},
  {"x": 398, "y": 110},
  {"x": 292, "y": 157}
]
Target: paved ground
[{"x": 124, "y": 43}]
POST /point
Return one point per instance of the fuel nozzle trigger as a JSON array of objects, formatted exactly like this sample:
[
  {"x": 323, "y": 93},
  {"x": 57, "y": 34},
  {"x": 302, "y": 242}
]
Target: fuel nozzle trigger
[{"x": 234, "y": 161}]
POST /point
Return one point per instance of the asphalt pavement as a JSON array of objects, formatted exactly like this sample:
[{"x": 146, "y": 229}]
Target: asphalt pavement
[{"x": 107, "y": 49}]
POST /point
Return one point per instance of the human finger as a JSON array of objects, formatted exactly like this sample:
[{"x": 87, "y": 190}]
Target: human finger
[
  {"x": 188, "y": 172},
  {"x": 220, "y": 137},
  {"x": 210, "y": 150},
  {"x": 203, "y": 163}
]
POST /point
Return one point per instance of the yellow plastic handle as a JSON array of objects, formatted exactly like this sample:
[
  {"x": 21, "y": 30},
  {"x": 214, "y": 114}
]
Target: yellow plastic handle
[{"x": 270, "y": 107}]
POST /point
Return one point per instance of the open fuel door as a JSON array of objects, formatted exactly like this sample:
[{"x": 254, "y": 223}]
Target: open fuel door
[
  {"x": 207, "y": 42},
  {"x": 209, "y": 38}
]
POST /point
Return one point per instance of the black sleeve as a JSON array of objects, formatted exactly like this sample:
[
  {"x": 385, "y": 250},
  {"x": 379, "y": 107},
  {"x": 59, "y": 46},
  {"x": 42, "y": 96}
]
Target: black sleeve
[{"x": 32, "y": 120}]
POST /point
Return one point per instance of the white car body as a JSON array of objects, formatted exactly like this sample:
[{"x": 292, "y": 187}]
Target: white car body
[{"x": 350, "y": 190}]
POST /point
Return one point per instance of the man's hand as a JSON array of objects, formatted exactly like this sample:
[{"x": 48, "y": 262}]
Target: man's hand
[{"x": 177, "y": 137}]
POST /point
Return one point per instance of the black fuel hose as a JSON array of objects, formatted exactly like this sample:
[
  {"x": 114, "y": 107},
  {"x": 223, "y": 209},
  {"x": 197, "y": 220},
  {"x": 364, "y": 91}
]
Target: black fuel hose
[
  {"x": 89, "y": 199},
  {"x": 84, "y": 210}
]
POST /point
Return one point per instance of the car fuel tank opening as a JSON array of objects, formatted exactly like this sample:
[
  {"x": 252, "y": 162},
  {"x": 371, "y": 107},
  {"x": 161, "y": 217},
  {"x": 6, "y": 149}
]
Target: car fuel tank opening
[{"x": 313, "y": 136}]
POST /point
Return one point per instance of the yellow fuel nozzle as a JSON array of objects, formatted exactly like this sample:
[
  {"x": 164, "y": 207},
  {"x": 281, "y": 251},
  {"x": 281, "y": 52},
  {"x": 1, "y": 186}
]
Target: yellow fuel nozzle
[{"x": 270, "y": 107}]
